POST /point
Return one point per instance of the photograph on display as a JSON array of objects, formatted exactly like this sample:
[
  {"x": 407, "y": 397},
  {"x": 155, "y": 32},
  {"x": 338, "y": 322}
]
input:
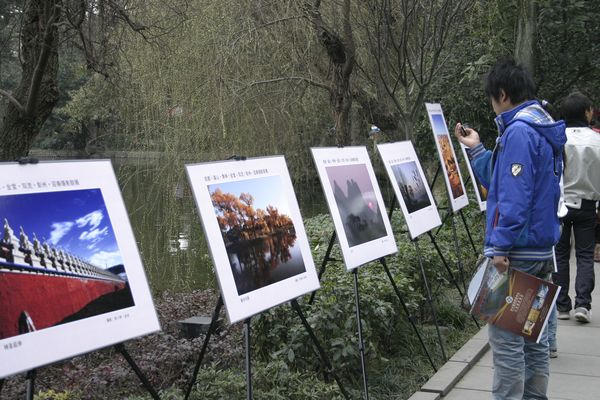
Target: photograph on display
[
  {"x": 258, "y": 232},
  {"x": 451, "y": 166},
  {"x": 480, "y": 191},
  {"x": 255, "y": 233},
  {"x": 69, "y": 264},
  {"x": 59, "y": 261},
  {"x": 356, "y": 203},
  {"x": 357, "y": 209},
  {"x": 448, "y": 159},
  {"x": 411, "y": 186}
]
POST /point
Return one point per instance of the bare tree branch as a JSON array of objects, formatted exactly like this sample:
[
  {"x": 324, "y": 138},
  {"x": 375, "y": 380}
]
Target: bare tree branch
[
  {"x": 292, "y": 78},
  {"x": 11, "y": 98}
]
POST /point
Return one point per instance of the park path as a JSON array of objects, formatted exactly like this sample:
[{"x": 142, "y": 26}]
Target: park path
[{"x": 574, "y": 375}]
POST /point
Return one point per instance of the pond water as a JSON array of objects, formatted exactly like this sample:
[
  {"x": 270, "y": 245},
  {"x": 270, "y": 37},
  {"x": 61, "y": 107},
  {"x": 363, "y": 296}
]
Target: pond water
[{"x": 169, "y": 232}]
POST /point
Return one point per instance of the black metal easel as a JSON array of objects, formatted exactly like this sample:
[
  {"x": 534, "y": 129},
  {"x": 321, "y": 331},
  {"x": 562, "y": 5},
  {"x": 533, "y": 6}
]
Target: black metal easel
[
  {"x": 448, "y": 213},
  {"x": 31, "y": 375},
  {"x": 410, "y": 318},
  {"x": 120, "y": 347},
  {"x": 248, "y": 359},
  {"x": 361, "y": 344},
  {"x": 212, "y": 327}
]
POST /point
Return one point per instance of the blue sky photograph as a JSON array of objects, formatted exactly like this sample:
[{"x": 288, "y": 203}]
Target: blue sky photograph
[
  {"x": 439, "y": 126},
  {"x": 266, "y": 191},
  {"x": 76, "y": 221}
]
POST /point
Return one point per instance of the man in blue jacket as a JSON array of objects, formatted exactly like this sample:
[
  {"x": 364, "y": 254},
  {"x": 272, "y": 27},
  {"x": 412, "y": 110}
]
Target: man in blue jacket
[{"x": 522, "y": 175}]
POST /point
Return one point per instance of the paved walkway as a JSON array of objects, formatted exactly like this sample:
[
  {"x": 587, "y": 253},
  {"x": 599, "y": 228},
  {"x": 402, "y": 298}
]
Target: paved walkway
[{"x": 574, "y": 375}]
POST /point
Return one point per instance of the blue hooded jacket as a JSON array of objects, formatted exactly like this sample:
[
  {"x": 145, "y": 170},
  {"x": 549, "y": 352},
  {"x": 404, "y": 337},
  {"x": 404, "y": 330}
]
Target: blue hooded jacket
[{"x": 522, "y": 175}]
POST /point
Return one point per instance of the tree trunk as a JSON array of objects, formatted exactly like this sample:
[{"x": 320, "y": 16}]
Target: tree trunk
[
  {"x": 526, "y": 34},
  {"x": 37, "y": 92},
  {"x": 341, "y": 53}
]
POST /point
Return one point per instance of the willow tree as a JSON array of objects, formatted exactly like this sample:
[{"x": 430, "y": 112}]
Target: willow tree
[{"x": 45, "y": 26}]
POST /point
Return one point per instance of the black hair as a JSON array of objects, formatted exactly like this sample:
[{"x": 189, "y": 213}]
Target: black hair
[
  {"x": 511, "y": 77},
  {"x": 574, "y": 106}
]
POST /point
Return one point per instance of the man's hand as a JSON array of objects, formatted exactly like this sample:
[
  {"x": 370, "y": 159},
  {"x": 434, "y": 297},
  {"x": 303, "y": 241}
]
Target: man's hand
[
  {"x": 472, "y": 138},
  {"x": 501, "y": 263}
]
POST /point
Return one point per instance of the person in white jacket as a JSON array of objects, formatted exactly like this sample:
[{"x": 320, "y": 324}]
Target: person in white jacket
[{"x": 582, "y": 192}]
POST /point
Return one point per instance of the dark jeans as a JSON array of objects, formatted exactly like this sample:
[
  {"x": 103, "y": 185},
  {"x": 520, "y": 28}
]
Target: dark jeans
[{"x": 583, "y": 223}]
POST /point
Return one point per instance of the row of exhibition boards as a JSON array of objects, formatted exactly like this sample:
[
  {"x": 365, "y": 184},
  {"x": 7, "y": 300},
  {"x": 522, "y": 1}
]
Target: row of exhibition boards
[{"x": 252, "y": 223}]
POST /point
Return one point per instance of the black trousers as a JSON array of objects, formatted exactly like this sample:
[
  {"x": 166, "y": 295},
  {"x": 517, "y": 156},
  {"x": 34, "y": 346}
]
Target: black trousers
[{"x": 583, "y": 224}]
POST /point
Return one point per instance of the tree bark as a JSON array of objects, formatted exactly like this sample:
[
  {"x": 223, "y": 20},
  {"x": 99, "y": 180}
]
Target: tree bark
[
  {"x": 526, "y": 34},
  {"x": 341, "y": 53},
  {"x": 37, "y": 92}
]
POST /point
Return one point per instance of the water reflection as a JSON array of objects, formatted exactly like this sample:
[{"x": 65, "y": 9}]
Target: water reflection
[{"x": 263, "y": 261}]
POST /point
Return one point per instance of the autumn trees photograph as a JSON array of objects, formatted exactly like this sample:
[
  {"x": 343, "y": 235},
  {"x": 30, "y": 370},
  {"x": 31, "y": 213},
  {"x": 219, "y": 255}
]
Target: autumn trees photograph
[{"x": 259, "y": 236}]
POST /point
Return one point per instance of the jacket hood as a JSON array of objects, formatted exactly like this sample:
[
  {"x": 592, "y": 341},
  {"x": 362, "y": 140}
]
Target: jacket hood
[{"x": 532, "y": 113}]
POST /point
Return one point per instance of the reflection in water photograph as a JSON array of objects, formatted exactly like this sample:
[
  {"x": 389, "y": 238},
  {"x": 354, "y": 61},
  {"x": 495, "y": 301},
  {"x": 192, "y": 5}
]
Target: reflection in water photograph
[
  {"x": 255, "y": 233},
  {"x": 59, "y": 261},
  {"x": 258, "y": 232}
]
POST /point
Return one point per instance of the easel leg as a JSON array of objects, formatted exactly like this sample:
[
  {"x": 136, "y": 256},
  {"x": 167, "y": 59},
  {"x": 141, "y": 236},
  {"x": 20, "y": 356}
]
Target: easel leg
[
  {"x": 30, "y": 381},
  {"x": 324, "y": 358},
  {"x": 211, "y": 329},
  {"x": 408, "y": 315},
  {"x": 121, "y": 349},
  {"x": 326, "y": 259},
  {"x": 361, "y": 345},
  {"x": 462, "y": 216},
  {"x": 430, "y": 300},
  {"x": 248, "y": 361},
  {"x": 439, "y": 251},
  {"x": 459, "y": 263}
]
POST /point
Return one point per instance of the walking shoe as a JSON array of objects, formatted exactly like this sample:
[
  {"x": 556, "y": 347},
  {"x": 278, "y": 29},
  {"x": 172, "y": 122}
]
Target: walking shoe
[
  {"x": 582, "y": 314},
  {"x": 553, "y": 353},
  {"x": 563, "y": 315}
]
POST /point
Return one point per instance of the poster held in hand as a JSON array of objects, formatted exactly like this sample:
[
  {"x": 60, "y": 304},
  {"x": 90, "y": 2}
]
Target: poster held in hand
[
  {"x": 513, "y": 300},
  {"x": 449, "y": 164},
  {"x": 480, "y": 190},
  {"x": 69, "y": 265},
  {"x": 355, "y": 202},
  {"x": 410, "y": 186},
  {"x": 255, "y": 233}
]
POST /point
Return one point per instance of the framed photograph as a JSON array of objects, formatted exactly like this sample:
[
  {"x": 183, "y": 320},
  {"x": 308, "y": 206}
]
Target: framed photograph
[
  {"x": 363, "y": 229},
  {"x": 450, "y": 168},
  {"x": 480, "y": 191},
  {"x": 410, "y": 185},
  {"x": 71, "y": 279},
  {"x": 255, "y": 233}
]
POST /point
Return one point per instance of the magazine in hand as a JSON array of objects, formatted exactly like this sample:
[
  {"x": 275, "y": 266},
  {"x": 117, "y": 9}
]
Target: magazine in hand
[{"x": 513, "y": 300}]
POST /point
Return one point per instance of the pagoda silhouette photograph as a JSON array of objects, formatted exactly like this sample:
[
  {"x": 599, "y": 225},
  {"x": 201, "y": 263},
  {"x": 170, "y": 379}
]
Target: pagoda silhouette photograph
[
  {"x": 356, "y": 203},
  {"x": 59, "y": 261},
  {"x": 258, "y": 233}
]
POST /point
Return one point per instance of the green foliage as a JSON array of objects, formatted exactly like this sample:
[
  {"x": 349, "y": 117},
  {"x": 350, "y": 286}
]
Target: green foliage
[
  {"x": 279, "y": 336},
  {"x": 53, "y": 395}
]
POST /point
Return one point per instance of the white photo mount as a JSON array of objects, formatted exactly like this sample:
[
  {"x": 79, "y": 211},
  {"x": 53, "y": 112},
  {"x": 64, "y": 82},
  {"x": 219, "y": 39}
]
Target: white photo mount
[
  {"x": 255, "y": 233},
  {"x": 363, "y": 228},
  {"x": 71, "y": 278},
  {"x": 448, "y": 160},
  {"x": 480, "y": 191},
  {"x": 410, "y": 186}
]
